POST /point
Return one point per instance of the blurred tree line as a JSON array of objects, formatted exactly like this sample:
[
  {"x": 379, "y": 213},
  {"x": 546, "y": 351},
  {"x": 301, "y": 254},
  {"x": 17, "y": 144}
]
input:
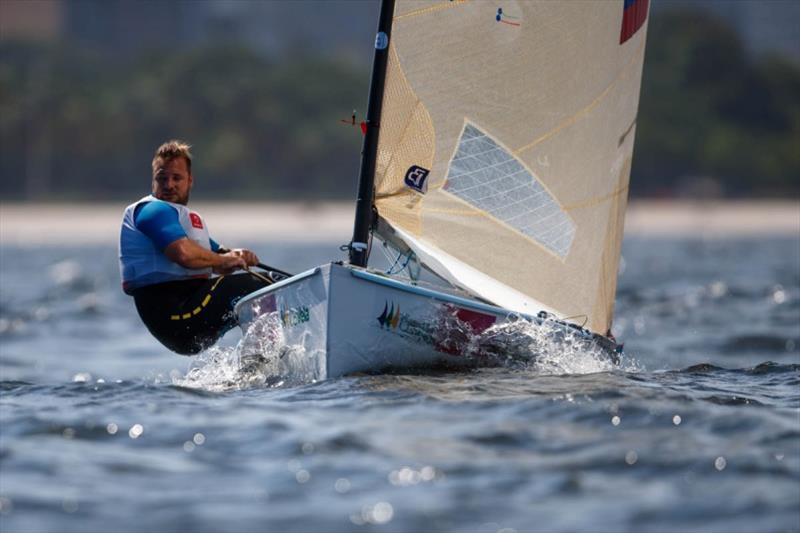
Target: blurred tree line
[
  {"x": 75, "y": 123},
  {"x": 710, "y": 114},
  {"x": 80, "y": 123}
]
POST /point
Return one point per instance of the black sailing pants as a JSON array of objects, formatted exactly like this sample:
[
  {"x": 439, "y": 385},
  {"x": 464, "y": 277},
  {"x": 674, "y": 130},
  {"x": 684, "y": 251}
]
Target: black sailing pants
[{"x": 188, "y": 316}]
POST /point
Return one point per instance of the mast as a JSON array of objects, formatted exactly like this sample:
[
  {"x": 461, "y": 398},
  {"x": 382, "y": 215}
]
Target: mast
[{"x": 359, "y": 252}]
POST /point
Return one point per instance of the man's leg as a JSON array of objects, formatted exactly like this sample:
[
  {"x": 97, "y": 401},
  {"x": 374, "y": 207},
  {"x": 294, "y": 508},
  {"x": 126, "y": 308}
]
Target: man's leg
[
  {"x": 197, "y": 319},
  {"x": 215, "y": 303}
]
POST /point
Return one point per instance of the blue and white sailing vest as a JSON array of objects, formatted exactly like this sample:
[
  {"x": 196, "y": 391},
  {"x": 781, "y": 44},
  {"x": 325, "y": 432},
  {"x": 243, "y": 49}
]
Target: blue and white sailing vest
[{"x": 142, "y": 263}]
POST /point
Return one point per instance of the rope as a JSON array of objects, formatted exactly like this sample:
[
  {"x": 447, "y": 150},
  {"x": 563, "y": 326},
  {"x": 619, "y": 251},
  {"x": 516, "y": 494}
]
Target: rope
[
  {"x": 585, "y": 319},
  {"x": 408, "y": 255},
  {"x": 259, "y": 276}
]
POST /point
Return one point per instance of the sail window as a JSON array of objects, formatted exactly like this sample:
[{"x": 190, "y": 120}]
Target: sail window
[{"x": 488, "y": 177}]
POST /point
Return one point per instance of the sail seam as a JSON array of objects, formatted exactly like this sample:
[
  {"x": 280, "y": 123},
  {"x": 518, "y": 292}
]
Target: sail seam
[
  {"x": 541, "y": 237},
  {"x": 580, "y": 113},
  {"x": 542, "y": 184},
  {"x": 489, "y": 216},
  {"x": 471, "y": 213},
  {"x": 591, "y": 202},
  {"x": 426, "y": 10}
]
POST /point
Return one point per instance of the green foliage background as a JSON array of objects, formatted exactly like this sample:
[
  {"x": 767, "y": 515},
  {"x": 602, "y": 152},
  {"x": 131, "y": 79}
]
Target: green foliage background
[
  {"x": 259, "y": 128},
  {"x": 82, "y": 124},
  {"x": 709, "y": 110}
]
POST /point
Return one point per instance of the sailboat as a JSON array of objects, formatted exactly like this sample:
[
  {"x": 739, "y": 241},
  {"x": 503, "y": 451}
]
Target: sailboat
[{"x": 497, "y": 153}]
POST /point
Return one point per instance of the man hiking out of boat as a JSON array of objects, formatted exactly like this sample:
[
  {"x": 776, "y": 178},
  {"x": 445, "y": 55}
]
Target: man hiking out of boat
[{"x": 167, "y": 259}]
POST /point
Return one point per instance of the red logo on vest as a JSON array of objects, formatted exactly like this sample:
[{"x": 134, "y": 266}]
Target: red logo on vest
[{"x": 197, "y": 222}]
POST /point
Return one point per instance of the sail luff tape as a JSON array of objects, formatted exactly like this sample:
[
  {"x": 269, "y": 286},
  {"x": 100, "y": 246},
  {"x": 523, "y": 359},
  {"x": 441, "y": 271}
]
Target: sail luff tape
[{"x": 360, "y": 246}]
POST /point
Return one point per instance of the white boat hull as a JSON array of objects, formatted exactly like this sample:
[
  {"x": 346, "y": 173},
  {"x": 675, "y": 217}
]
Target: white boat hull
[{"x": 341, "y": 320}]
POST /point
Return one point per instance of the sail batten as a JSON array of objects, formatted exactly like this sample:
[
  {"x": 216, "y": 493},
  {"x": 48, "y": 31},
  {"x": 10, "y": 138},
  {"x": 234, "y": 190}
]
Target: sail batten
[{"x": 506, "y": 140}]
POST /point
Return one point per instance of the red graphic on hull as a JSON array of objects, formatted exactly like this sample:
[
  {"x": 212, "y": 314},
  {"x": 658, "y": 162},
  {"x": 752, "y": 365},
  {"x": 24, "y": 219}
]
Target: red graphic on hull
[
  {"x": 458, "y": 326},
  {"x": 478, "y": 322},
  {"x": 267, "y": 304}
]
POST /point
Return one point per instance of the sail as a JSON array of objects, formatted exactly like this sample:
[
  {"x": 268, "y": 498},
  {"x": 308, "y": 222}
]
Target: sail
[{"x": 505, "y": 146}]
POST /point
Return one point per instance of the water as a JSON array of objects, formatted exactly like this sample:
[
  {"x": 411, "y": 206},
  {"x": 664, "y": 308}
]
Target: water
[{"x": 101, "y": 429}]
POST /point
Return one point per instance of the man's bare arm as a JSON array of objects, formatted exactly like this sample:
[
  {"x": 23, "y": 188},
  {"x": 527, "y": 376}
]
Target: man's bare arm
[{"x": 189, "y": 254}]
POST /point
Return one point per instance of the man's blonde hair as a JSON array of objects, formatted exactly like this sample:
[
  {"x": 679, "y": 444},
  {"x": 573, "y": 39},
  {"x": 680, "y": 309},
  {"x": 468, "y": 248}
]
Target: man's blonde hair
[{"x": 170, "y": 150}]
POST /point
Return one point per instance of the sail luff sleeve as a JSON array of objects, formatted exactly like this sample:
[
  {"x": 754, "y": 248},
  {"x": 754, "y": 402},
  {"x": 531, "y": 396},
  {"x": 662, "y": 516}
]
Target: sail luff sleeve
[{"x": 359, "y": 253}]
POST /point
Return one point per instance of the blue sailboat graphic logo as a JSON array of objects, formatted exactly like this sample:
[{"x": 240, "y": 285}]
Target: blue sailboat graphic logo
[{"x": 390, "y": 316}]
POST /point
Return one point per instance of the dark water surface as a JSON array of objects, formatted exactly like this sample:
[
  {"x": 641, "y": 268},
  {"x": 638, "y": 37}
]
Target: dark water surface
[{"x": 101, "y": 429}]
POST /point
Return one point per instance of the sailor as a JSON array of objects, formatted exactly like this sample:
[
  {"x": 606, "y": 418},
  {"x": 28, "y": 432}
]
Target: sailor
[{"x": 167, "y": 260}]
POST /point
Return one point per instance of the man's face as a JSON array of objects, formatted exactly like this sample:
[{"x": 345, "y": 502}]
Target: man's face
[{"x": 172, "y": 181}]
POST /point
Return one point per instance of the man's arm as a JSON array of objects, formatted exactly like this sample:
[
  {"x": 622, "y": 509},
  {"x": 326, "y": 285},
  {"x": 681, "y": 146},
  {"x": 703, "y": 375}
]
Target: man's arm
[
  {"x": 160, "y": 223},
  {"x": 189, "y": 254}
]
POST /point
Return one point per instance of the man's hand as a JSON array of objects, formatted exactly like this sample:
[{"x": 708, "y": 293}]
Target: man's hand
[
  {"x": 249, "y": 257},
  {"x": 229, "y": 263}
]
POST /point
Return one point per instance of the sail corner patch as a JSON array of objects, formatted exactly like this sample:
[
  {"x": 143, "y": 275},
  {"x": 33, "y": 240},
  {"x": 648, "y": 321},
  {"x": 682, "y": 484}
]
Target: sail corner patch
[
  {"x": 417, "y": 179},
  {"x": 634, "y": 13},
  {"x": 491, "y": 179}
]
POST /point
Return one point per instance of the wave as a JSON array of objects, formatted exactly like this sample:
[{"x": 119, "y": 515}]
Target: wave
[{"x": 264, "y": 359}]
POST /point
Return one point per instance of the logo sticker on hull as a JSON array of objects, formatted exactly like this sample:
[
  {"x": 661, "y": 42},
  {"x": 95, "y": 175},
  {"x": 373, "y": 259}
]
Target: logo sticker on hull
[
  {"x": 294, "y": 315},
  {"x": 390, "y": 317},
  {"x": 448, "y": 331}
]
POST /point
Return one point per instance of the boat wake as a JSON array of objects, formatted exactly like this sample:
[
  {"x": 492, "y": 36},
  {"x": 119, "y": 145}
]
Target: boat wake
[
  {"x": 261, "y": 359},
  {"x": 264, "y": 359},
  {"x": 545, "y": 349}
]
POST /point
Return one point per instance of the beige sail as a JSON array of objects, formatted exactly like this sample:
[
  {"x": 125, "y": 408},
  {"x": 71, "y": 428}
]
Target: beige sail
[{"x": 506, "y": 143}]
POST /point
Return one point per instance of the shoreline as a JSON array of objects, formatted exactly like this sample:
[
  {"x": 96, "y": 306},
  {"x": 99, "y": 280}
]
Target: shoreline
[
  {"x": 714, "y": 218},
  {"x": 34, "y": 224}
]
